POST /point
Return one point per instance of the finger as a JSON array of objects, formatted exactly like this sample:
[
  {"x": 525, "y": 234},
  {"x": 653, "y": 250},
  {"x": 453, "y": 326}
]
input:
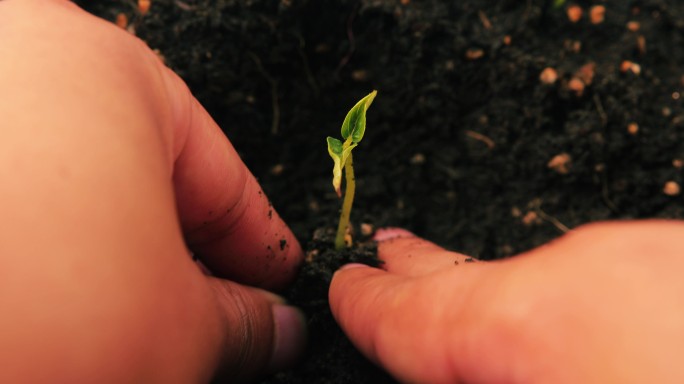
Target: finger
[
  {"x": 227, "y": 219},
  {"x": 262, "y": 334},
  {"x": 406, "y": 254},
  {"x": 352, "y": 305},
  {"x": 413, "y": 327}
]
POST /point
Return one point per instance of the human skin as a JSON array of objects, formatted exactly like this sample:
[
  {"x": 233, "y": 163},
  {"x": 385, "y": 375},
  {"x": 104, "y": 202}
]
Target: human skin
[
  {"x": 109, "y": 171},
  {"x": 602, "y": 304}
]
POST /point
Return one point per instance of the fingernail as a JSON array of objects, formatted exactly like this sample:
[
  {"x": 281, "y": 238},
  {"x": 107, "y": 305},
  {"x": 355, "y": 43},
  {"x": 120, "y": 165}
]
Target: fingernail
[
  {"x": 384, "y": 234},
  {"x": 352, "y": 266},
  {"x": 289, "y": 340}
]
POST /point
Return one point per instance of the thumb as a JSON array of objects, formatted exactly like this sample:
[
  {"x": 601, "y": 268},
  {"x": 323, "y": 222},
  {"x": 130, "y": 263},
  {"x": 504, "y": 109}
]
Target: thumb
[
  {"x": 262, "y": 333},
  {"x": 416, "y": 317},
  {"x": 404, "y": 253}
]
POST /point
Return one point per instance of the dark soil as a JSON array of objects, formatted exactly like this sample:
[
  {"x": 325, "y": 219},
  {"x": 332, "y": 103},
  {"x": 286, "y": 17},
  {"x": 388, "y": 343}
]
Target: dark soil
[{"x": 460, "y": 137}]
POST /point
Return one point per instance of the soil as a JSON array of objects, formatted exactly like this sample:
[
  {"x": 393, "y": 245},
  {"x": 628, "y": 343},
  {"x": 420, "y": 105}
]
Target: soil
[{"x": 467, "y": 144}]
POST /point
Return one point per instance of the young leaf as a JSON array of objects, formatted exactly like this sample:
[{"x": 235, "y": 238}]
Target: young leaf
[
  {"x": 354, "y": 124},
  {"x": 335, "y": 151},
  {"x": 353, "y": 128},
  {"x": 339, "y": 153}
]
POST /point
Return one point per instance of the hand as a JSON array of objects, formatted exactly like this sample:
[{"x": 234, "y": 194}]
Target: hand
[
  {"x": 603, "y": 304},
  {"x": 109, "y": 167}
]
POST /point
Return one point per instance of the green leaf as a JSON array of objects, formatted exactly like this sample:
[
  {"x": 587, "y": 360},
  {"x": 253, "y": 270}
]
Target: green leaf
[
  {"x": 354, "y": 125},
  {"x": 346, "y": 150},
  {"x": 334, "y": 147},
  {"x": 340, "y": 153},
  {"x": 353, "y": 128},
  {"x": 558, "y": 3},
  {"x": 335, "y": 151}
]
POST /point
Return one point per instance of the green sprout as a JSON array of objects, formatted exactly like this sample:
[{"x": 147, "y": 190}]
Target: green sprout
[{"x": 353, "y": 128}]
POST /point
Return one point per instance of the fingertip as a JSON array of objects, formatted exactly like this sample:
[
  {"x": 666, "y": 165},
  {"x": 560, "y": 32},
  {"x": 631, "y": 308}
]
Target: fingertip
[
  {"x": 353, "y": 266},
  {"x": 356, "y": 271},
  {"x": 348, "y": 278},
  {"x": 352, "y": 282},
  {"x": 389, "y": 233},
  {"x": 289, "y": 339},
  {"x": 262, "y": 333},
  {"x": 360, "y": 296},
  {"x": 407, "y": 254},
  {"x": 392, "y": 240}
]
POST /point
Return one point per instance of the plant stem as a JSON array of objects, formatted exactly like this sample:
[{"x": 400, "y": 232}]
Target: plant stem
[{"x": 347, "y": 203}]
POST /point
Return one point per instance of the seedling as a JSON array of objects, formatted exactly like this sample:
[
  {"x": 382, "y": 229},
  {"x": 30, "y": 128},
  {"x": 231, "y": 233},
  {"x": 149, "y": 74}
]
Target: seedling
[{"x": 353, "y": 128}]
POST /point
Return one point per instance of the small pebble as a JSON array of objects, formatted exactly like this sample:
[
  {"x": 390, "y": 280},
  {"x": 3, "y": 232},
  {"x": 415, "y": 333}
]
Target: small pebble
[
  {"x": 633, "y": 128},
  {"x": 597, "y": 14},
  {"x": 641, "y": 44},
  {"x": 576, "y": 85},
  {"x": 560, "y": 163},
  {"x": 474, "y": 53},
  {"x": 348, "y": 239},
  {"x": 359, "y": 75},
  {"x": 121, "y": 20},
  {"x": 548, "y": 76},
  {"x": 633, "y": 26},
  {"x": 671, "y": 188},
  {"x": 417, "y": 159},
  {"x": 574, "y": 13},
  {"x": 144, "y": 6},
  {"x": 277, "y": 170},
  {"x": 576, "y": 46},
  {"x": 587, "y": 72},
  {"x": 530, "y": 218},
  {"x": 311, "y": 255},
  {"x": 629, "y": 66},
  {"x": 367, "y": 229}
]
